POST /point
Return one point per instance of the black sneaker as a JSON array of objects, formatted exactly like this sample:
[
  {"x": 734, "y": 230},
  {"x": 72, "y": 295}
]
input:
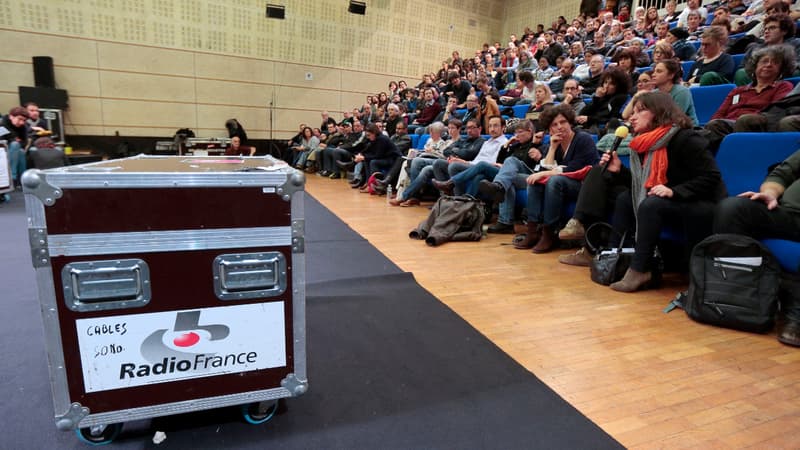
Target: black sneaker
[{"x": 335, "y": 176}]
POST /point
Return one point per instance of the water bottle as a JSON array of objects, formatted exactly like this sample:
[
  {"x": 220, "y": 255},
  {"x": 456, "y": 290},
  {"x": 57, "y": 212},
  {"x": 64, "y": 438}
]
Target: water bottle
[{"x": 388, "y": 192}]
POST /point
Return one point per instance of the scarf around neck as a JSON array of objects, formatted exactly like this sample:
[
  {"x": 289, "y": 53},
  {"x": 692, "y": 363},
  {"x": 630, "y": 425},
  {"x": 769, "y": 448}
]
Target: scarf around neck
[{"x": 649, "y": 160}]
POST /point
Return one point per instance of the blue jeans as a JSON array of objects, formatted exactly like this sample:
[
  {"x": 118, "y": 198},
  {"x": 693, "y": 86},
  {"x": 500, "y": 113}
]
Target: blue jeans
[
  {"x": 16, "y": 157},
  {"x": 466, "y": 182},
  {"x": 512, "y": 176},
  {"x": 545, "y": 202},
  {"x": 416, "y": 165}
]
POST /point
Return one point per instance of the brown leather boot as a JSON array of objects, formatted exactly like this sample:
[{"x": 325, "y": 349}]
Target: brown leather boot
[
  {"x": 632, "y": 281},
  {"x": 531, "y": 237},
  {"x": 547, "y": 242}
]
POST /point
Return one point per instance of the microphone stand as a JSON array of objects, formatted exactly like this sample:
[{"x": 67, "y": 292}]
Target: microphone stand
[{"x": 273, "y": 150}]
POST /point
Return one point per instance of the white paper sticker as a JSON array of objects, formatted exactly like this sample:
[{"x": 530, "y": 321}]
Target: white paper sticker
[{"x": 138, "y": 349}]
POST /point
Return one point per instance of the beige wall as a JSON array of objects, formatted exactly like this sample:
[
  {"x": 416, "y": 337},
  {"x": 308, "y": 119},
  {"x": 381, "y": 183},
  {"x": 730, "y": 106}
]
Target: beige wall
[
  {"x": 149, "y": 67},
  {"x": 519, "y": 14}
]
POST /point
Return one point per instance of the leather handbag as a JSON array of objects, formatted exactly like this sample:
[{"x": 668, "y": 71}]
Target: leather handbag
[{"x": 610, "y": 265}]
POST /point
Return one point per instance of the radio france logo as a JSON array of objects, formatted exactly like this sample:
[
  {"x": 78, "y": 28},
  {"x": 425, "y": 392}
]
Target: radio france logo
[
  {"x": 188, "y": 347},
  {"x": 186, "y": 338}
]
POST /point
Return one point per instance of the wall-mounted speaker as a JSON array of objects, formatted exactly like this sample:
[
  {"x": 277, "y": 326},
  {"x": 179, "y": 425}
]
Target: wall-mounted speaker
[
  {"x": 276, "y": 11},
  {"x": 43, "y": 74},
  {"x": 357, "y": 7}
]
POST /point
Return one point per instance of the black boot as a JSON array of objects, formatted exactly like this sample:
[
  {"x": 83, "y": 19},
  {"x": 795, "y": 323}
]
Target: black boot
[{"x": 494, "y": 191}]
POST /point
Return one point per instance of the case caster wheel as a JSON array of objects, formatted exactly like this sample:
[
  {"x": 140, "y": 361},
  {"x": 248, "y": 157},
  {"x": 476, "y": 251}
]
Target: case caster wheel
[
  {"x": 99, "y": 434},
  {"x": 259, "y": 412}
]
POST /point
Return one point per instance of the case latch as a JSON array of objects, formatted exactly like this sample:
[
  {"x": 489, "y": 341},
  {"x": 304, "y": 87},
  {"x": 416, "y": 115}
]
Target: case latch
[
  {"x": 249, "y": 275},
  {"x": 101, "y": 285}
]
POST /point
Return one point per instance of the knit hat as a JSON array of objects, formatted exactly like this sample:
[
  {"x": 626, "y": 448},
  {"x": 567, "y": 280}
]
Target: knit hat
[{"x": 679, "y": 32}]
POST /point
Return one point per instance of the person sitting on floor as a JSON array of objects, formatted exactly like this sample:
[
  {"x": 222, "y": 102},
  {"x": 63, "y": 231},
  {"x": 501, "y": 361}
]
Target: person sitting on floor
[
  {"x": 379, "y": 155},
  {"x": 772, "y": 212}
]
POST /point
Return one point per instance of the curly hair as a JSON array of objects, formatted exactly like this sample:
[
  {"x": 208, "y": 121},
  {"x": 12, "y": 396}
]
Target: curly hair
[
  {"x": 781, "y": 53},
  {"x": 547, "y": 116}
]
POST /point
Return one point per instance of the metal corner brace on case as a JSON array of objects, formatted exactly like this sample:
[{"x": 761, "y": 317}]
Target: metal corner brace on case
[{"x": 35, "y": 183}]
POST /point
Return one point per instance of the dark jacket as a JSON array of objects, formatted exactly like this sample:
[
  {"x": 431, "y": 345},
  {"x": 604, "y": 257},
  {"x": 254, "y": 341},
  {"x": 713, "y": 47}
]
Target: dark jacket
[
  {"x": 692, "y": 174},
  {"x": 402, "y": 142},
  {"x": 465, "y": 148},
  {"x": 381, "y": 148},
  {"x": 602, "y": 109},
  {"x": 582, "y": 153}
]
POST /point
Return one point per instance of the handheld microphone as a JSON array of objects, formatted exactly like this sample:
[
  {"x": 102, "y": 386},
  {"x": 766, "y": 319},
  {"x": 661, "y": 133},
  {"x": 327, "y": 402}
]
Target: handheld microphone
[{"x": 619, "y": 135}]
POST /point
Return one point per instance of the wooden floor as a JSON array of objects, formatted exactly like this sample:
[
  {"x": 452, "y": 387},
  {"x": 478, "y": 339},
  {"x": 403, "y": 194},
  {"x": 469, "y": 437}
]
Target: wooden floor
[{"x": 651, "y": 380}]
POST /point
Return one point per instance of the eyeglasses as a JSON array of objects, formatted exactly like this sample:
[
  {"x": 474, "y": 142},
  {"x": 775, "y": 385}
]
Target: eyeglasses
[
  {"x": 471, "y": 127},
  {"x": 772, "y": 28}
]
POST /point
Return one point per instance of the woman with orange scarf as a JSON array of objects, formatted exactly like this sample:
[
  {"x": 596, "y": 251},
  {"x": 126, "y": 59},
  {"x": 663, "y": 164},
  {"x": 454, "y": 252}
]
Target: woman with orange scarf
[{"x": 673, "y": 180}]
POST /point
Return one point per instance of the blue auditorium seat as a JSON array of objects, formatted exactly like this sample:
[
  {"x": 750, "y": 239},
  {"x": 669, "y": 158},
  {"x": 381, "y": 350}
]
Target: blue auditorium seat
[
  {"x": 744, "y": 170},
  {"x": 707, "y": 100},
  {"x": 414, "y": 140},
  {"x": 738, "y": 60},
  {"x": 422, "y": 140},
  {"x": 673, "y": 24},
  {"x": 461, "y": 112},
  {"x": 686, "y": 66},
  {"x": 793, "y": 80},
  {"x": 520, "y": 110}
]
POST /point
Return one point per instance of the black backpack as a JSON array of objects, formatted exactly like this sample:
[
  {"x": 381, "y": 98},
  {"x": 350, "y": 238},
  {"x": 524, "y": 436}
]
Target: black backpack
[{"x": 733, "y": 282}]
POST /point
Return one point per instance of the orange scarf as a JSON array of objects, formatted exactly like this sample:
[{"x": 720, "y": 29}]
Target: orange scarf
[{"x": 658, "y": 163}]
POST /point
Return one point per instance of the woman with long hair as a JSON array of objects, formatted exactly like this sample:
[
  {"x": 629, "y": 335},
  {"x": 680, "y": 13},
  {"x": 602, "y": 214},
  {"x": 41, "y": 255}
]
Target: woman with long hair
[
  {"x": 667, "y": 76},
  {"x": 672, "y": 180}
]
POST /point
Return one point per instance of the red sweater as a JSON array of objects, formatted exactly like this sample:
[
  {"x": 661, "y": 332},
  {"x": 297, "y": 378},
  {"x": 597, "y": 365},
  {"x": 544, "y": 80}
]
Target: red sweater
[
  {"x": 745, "y": 100},
  {"x": 429, "y": 113}
]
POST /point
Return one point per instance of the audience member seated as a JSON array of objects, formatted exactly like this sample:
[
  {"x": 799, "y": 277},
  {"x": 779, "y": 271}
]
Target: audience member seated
[
  {"x": 402, "y": 141},
  {"x": 572, "y": 96},
  {"x": 683, "y": 50},
  {"x": 487, "y": 104},
  {"x": 427, "y": 110},
  {"x": 667, "y": 78},
  {"x": 17, "y": 136},
  {"x": 564, "y": 73},
  {"x": 596, "y": 68},
  {"x": 691, "y": 6},
  {"x": 237, "y": 149},
  {"x": 743, "y": 103},
  {"x": 335, "y": 158},
  {"x": 308, "y": 143},
  {"x": 694, "y": 25},
  {"x": 454, "y": 165},
  {"x": 526, "y": 91},
  {"x": 523, "y": 154},
  {"x": 772, "y": 212},
  {"x": 44, "y": 154},
  {"x": 714, "y": 66},
  {"x": 420, "y": 166},
  {"x": 467, "y": 182},
  {"x": 782, "y": 115},
  {"x": 626, "y": 62},
  {"x": 553, "y": 185},
  {"x": 35, "y": 125},
  {"x": 335, "y": 137},
  {"x": 607, "y": 101},
  {"x": 544, "y": 72},
  {"x": 672, "y": 179},
  {"x": 779, "y": 29}
]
